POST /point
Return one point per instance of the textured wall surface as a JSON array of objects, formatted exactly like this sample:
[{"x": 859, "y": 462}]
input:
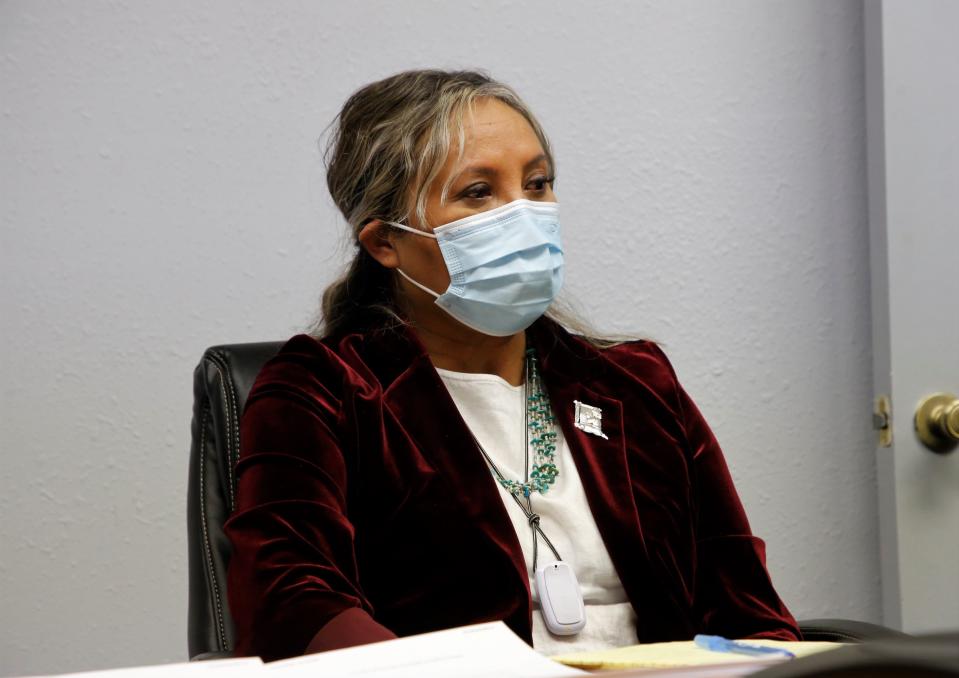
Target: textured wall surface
[{"x": 162, "y": 191}]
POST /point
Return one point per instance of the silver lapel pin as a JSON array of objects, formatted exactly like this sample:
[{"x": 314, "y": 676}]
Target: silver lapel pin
[{"x": 589, "y": 419}]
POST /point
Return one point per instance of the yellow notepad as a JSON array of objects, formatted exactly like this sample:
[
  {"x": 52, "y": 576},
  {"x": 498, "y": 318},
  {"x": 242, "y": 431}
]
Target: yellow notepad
[{"x": 676, "y": 654}]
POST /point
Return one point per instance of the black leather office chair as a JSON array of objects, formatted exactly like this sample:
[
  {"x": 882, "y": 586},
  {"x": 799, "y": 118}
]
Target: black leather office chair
[{"x": 221, "y": 384}]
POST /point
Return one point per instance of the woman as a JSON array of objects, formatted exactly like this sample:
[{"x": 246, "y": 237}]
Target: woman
[{"x": 445, "y": 453}]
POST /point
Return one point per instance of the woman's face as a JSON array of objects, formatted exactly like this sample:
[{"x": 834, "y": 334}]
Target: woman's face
[{"x": 502, "y": 161}]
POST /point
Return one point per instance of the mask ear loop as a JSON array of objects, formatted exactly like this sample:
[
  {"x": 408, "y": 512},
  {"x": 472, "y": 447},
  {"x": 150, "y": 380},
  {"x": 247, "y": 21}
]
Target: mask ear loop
[
  {"x": 404, "y": 227},
  {"x": 421, "y": 286}
]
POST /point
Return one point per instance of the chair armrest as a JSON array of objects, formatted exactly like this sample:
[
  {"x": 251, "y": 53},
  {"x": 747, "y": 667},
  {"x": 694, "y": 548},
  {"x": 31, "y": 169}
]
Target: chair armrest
[
  {"x": 845, "y": 630},
  {"x": 217, "y": 654}
]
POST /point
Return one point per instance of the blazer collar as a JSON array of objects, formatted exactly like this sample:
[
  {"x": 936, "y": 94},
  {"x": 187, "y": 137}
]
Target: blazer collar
[{"x": 391, "y": 354}]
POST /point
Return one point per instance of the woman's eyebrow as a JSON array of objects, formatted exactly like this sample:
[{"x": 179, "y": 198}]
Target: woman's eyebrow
[
  {"x": 476, "y": 170},
  {"x": 535, "y": 161},
  {"x": 485, "y": 171}
]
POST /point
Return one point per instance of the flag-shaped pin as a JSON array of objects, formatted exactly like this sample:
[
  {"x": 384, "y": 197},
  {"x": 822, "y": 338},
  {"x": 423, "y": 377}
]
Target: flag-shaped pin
[{"x": 589, "y": 419}]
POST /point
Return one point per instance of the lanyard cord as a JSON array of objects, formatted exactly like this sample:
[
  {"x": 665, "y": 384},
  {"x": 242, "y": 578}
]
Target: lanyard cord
[{"x": 531, "y": 517}]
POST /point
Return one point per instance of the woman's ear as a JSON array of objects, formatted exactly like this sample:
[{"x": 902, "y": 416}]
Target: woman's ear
[{"x": 375, "y": 238}]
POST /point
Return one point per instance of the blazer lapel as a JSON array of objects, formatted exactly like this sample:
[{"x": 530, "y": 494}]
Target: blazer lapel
[
  {"x": 575, "y": 372},
  {"x": 600, "y": 459},
  {"x": 421, "y": 404}
]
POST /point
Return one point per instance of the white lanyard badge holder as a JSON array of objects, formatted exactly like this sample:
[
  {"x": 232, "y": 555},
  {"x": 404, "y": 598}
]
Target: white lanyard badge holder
[{"x": 560, "y": 599}]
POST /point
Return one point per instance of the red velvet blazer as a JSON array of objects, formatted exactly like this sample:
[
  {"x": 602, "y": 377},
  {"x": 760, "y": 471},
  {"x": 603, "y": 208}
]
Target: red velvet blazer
[{"x": 366, "y": 510}]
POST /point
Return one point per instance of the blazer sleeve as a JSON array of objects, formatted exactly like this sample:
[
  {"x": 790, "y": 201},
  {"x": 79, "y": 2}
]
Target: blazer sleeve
[
  {"x": 293, "y": 580},
  {"x": 734, "y": 595}
]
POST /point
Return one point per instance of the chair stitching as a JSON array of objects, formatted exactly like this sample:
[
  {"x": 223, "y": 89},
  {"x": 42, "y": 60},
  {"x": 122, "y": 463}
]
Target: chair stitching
[
  {"x": 231, "y": 427},
  {"x": 235, "y": 449},
  {"x": 221, "y": 630},
  {"x": 229, "y": 432}
]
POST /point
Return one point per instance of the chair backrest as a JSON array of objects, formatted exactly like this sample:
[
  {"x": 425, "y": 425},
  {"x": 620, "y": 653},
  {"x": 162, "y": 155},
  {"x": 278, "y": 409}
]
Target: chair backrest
[{"x": 221, "y": 383}]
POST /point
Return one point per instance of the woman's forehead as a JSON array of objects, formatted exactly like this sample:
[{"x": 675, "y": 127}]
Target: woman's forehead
[
  {"x": 494, "y": 132},
  {"x": 491, "y": 119}
]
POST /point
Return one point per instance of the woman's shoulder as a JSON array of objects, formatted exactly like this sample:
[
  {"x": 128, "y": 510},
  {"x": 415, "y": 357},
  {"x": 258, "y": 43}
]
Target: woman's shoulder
[
  {"x": 646, "y": 363},
  {"x": 641, "y": 359},
  {"x": 299, "y": 351},
  {"x": 304, "y": 364}
]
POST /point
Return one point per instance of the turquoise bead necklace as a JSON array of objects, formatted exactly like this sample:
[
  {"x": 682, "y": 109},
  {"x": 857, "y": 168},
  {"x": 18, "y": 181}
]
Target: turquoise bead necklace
[{"x": 540, "y": 437}]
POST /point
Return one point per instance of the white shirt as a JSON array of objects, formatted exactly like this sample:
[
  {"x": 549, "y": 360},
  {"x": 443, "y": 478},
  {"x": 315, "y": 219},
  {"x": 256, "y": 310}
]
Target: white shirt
[{"x": 494, "y": 410}]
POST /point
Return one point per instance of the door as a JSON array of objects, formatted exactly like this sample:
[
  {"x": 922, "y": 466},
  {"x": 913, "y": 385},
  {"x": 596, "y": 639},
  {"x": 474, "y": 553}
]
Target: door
[{"x": 912, "y": 104}]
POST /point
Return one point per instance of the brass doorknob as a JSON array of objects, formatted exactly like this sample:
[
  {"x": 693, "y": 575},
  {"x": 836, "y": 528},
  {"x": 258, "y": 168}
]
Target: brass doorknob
[{"x": 937, "y": 422}]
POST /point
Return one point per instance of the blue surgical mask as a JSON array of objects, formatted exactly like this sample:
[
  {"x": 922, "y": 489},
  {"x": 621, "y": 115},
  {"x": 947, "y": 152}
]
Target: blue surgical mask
[{"x": 505, "y": 265}]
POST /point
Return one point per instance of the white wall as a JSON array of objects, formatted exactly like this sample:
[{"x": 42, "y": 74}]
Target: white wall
[{"x": 162, "y": 191}]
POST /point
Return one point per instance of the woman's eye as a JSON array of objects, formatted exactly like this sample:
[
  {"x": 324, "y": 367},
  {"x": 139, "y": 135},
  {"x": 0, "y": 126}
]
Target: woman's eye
[
  {"x": 476, "y": 192},
  {"x": 539, "y": 184}
]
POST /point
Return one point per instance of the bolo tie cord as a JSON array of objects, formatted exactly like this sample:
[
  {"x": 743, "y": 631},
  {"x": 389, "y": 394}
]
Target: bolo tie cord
[
  {"x": 527, "y": 509},
  {"x": 531, "y": 516}
]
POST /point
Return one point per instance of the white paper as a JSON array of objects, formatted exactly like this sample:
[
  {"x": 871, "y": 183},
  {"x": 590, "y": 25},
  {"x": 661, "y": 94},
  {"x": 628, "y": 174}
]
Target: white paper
[{"x": 467, "y": 652}]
